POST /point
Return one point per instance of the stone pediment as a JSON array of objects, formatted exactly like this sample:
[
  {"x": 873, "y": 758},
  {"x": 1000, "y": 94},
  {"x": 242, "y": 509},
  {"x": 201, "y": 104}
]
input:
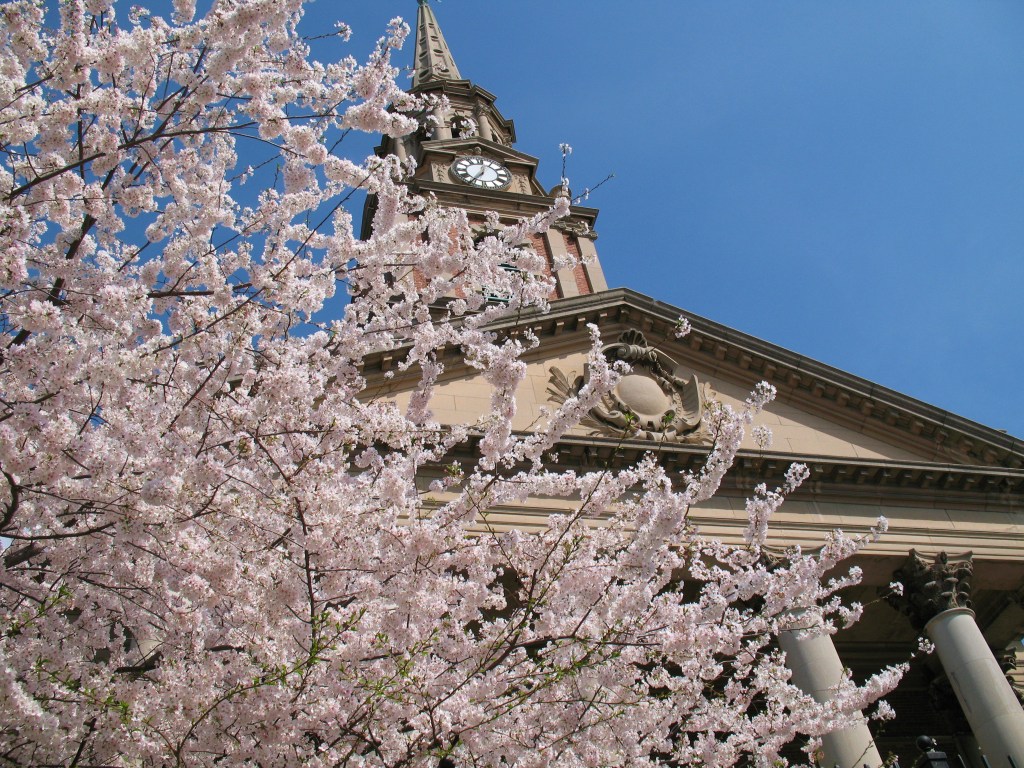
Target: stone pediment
[
  {"x": 820, "y": 410},
  {"x": 475, "y": 145},
  {"x": 438, "y": 155},
  {"x": 821, "y": 413}
]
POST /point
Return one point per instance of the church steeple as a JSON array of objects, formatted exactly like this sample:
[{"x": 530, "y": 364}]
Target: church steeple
[
  {"x": 434, "y": 60},
  {"x": 464, "y": 156}
]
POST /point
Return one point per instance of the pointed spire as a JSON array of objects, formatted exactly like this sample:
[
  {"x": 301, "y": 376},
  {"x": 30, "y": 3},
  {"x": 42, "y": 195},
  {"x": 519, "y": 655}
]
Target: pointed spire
[{"x": 434, "y": 60}]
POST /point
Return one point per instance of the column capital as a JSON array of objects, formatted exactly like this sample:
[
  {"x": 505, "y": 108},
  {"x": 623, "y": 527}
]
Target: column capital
[{"x": 933, "y": 585}]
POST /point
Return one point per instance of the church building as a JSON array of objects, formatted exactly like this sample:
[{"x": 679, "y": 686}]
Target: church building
[{"x": 951, "y": 489}]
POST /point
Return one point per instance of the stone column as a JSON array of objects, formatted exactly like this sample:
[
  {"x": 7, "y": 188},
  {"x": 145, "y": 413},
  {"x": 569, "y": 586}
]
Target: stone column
[
  {"x": 399, "y": 144},
  {"x": 483, "y": 123},
  {"x": 817, "y": 669},
  {"x": 937, "y": 600},
  {"x": 441, "y": 128}
]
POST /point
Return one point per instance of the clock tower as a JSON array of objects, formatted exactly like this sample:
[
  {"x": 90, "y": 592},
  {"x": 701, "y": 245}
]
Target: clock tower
[{"x": 480, "y": 170}]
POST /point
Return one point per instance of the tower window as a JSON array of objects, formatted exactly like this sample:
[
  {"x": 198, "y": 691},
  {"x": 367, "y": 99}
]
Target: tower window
[
  {"x": 502, "y": 297},
  {"x": 462, "y": 127}
]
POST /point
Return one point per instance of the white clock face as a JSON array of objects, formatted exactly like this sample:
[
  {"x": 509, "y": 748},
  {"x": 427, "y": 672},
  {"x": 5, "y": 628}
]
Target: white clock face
[{"x": 481, "y": 172}]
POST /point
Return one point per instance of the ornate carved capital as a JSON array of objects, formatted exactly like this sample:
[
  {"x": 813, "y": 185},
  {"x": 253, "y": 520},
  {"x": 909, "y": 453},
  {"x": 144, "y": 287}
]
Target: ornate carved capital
[
  {"x": 933, "y": 586},
  {"x": 773, "y": 558}
]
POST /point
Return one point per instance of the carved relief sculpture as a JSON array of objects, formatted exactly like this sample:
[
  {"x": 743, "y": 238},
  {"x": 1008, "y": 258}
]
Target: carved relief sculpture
[{"x": 654, "y": 401}]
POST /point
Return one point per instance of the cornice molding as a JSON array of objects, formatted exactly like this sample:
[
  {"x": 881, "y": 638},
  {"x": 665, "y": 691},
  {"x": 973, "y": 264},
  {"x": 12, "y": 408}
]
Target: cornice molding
[
  {"x": 911, "y": 482},
  {"x": 833, "y": 479},
  {"x": 451, "y": 148},
  {"x": 500, "y": 201},
  {"x": 455, "y": 87}
]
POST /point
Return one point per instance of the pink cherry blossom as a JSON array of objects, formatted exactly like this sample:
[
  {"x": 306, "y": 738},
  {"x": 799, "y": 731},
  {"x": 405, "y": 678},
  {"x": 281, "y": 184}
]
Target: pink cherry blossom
[{"x": 226, "y": 542}]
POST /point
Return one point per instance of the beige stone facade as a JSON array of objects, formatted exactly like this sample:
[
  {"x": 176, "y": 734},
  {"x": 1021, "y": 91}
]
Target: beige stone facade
[{"x": 945, "y": 484}]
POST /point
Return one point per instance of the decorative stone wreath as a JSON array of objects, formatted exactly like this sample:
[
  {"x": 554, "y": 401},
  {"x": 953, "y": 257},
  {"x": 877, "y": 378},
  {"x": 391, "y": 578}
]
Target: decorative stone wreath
[{"x": 654, "y": 401}]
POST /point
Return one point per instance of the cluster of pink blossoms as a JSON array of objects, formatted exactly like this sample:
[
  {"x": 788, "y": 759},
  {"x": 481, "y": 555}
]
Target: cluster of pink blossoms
[{"x": 214, "y": 547}]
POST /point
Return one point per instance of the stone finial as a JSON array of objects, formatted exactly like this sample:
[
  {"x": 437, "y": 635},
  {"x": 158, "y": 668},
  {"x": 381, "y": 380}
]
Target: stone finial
[{"x": 933, "y": 586}]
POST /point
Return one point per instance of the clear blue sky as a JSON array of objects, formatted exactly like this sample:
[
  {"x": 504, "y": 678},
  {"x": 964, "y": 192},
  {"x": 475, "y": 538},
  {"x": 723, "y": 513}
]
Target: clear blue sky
[{"x": 844, "y": 179}]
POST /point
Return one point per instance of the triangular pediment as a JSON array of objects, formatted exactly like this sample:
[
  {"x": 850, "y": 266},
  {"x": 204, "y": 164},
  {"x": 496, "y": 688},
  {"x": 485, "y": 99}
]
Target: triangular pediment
[
  {"x": 821, "y": 414},
  {"x": 478, "y": 146},
  {"x": 446, "y": 151}
]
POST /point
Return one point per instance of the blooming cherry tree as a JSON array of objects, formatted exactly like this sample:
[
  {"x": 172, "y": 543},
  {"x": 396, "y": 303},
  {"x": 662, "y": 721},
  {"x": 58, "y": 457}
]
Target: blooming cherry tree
[{"x": 214, "y": 547}]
